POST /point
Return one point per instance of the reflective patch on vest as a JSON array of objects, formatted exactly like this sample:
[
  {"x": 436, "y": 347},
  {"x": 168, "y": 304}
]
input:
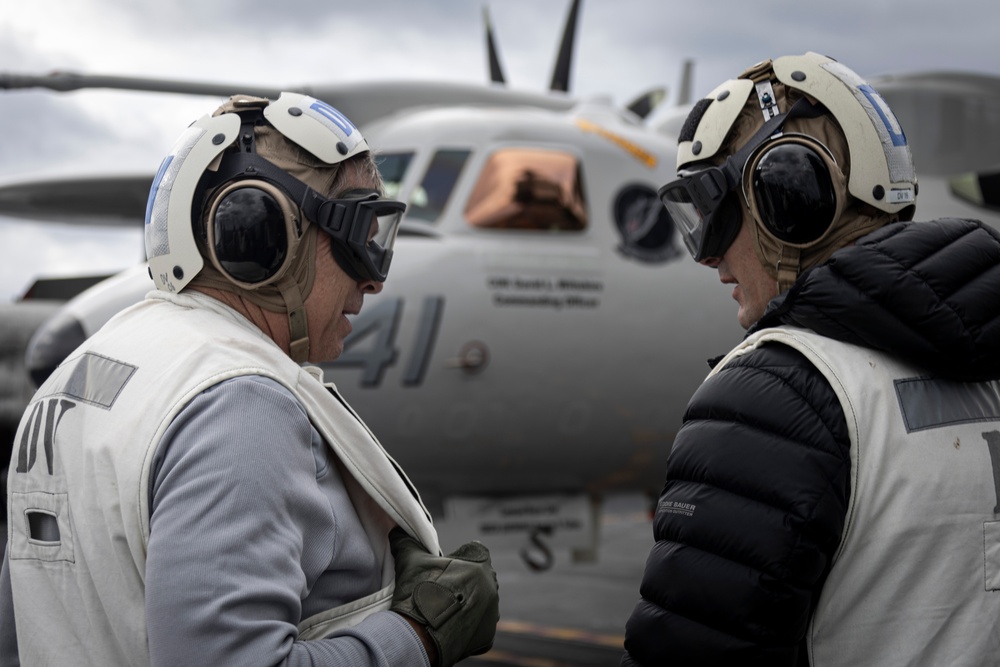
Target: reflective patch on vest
[
  {"x": 91, "y": 378},
  {"x": 991, "y": 546},
  {"x": 931, "y": 403}
]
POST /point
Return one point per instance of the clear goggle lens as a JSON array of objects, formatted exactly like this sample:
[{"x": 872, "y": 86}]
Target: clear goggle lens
[{"x": 707, "y": 216}]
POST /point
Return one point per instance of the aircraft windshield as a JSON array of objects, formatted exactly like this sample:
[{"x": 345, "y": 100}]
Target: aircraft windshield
[
  {"x": 427, "y": 201},
  {"x": 529, "y": 188},
  {"x": 393, "y": 167}
]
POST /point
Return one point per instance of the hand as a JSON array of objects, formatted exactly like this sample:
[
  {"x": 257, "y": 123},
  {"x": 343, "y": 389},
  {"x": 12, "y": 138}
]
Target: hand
[{"x": 456, "y": 597}]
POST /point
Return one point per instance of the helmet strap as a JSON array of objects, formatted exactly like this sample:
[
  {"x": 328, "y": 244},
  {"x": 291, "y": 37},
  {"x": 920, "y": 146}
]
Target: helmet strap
[
  {"x": 298, "y": 324},
  {"x": 788, "y": 267}
]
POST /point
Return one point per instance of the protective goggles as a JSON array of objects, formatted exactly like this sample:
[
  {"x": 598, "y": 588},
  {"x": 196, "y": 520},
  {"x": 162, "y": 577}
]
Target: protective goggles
[
  {"x": 253, "y": 226},
  {"x": 364, "y": 229},
  {"x": 704, "y": 210},
  {"x": 705, "y": 207}
]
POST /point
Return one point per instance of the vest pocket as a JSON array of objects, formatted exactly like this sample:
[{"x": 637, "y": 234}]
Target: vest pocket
[{"x": 40, "y": 527}]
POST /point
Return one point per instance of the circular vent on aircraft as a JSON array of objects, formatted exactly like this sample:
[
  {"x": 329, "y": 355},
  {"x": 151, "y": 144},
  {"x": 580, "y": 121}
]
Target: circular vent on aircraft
[{"x": 646, "y": 229}]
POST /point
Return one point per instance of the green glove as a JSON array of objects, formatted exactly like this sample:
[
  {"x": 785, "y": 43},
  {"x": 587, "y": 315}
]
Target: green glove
[{"x": 455, "y": 596}]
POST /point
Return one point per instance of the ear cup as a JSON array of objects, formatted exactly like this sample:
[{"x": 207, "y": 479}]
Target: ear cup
[
  {"x": 252, "y": 233},
  {"x": 794, "y": 193}
]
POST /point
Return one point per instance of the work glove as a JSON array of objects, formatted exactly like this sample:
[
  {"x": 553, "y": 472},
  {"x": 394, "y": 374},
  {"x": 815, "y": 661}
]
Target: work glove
[{"x": 456, "y": 597}]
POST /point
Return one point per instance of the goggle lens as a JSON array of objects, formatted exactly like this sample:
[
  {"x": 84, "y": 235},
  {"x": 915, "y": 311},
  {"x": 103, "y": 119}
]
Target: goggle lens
[
  {"x": 369, "y": 226},
  {"x": 708, "y": 229},
  {"x": 685, "y": 216}
]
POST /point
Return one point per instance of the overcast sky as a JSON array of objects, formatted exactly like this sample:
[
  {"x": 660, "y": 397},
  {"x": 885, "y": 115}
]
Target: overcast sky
[{"x": 623, "y": 48}]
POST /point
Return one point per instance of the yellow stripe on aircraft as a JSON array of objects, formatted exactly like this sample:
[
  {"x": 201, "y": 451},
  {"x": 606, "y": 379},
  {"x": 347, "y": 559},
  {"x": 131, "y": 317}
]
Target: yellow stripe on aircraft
[{"x": 632, "y": 149}]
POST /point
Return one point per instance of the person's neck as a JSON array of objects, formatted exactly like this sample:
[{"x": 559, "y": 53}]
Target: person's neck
[{"x": 273, "y": 325}]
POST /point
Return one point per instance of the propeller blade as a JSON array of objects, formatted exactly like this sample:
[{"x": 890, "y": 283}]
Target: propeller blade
[
  {"x": 643, "y": 105},
  {"x": 687, "y": 83},
  {"x": 560, "y": 75},
  {"x": 496, "y": 72}
]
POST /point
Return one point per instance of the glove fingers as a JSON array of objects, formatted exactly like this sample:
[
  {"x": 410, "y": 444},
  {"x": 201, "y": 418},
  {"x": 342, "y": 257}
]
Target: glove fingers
[{"x": 473, "y": 552}]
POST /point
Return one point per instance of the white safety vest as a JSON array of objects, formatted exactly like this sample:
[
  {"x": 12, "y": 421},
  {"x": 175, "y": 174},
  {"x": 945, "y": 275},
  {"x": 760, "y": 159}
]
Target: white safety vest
[
  {"x": 78, "y": 486},
  {"x": 916, "y": 580}
]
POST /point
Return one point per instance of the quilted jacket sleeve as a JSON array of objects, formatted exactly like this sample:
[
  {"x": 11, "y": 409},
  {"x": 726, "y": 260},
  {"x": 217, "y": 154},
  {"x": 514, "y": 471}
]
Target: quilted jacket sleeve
[{"x": 749, "y": 518}]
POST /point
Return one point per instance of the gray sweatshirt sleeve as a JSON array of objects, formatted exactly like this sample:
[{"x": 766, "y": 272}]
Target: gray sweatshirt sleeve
[
  {"x": 245, "y": 526},
  {"x": 8, "y": 631}
]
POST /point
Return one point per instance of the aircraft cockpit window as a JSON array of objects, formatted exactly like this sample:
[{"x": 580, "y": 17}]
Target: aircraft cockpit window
[
  {"x": 428, "y": 200},
  {"x": 528, "y": 188},
  {"x": 393, "y": 167}
]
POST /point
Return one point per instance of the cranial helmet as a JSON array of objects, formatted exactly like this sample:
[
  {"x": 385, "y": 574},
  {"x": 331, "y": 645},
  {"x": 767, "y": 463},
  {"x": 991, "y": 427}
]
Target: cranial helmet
[
  {"x": 247, "y": 188},
  {"x": 807, "y": 147}
]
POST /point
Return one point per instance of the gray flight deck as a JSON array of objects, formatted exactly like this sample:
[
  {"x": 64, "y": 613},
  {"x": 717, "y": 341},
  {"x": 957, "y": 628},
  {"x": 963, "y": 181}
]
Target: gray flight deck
[{"x": 573, "y": 615}]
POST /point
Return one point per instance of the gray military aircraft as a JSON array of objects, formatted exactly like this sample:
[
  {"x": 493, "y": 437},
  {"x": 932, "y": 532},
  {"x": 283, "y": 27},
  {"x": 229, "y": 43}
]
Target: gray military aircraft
[{"x": 543, "y": 327}]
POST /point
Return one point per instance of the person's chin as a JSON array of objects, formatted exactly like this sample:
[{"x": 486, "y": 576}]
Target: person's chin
[
  {"x": 744, "y": 317},
  {"x": 331, "y": 345},
  {"x": 327, "y": 352}
]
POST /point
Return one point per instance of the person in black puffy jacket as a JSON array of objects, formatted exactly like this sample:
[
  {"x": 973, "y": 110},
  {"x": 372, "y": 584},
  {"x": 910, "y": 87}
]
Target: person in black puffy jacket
[{"x": 833, "y": 495}]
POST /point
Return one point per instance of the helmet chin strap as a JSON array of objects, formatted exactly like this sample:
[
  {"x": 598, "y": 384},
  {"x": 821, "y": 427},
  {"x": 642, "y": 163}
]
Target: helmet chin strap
[
  {"x": 298, "y": 324},
  {"x": 786, "y": 268}
]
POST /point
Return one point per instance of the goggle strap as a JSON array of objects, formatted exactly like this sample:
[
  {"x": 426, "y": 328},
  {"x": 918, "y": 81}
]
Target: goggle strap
[
  {"x": 251, "y": 165},
  {"x": 733, "y": 167}
]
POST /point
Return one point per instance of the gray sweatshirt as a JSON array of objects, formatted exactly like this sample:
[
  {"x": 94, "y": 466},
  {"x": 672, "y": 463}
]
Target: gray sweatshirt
[{"x": 251, "y": 532}]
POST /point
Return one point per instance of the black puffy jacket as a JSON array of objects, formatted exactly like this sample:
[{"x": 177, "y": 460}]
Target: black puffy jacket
[{"x": 764, "y": 453}]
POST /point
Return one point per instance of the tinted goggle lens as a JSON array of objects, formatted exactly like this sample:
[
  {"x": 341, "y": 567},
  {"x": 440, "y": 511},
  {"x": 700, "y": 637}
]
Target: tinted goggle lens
[{"x": 250, "y": 235}]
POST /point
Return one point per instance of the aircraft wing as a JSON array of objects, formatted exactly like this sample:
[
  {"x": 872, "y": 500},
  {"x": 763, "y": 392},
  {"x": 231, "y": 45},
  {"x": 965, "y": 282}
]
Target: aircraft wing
[
  {"x": 362, "y": 102},
  {"x": 952, "y": 123},
  {"x": 113, "y": 201},
  {"x": 951, "y": 119},
  {"x": 121, "y": 200}
]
